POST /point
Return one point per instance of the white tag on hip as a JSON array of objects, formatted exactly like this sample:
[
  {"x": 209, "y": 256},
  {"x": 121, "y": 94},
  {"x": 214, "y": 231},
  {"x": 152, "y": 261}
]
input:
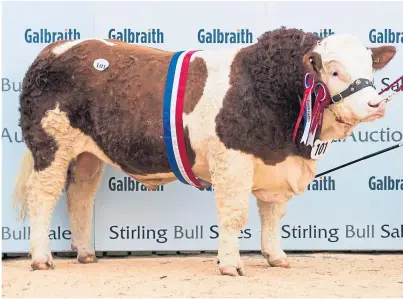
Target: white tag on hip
[{"x": 101, "y": 64}]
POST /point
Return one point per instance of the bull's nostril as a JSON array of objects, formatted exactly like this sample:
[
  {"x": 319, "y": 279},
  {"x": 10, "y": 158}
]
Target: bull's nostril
[
  {"x": 376, "y": 103},
  {"x": 379, "y": 107}
]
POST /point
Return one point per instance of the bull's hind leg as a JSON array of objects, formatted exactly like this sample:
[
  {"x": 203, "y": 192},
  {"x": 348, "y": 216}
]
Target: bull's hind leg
[
  {"x": 85, "y": 177},
  {"x": 44, "y": 189},
  {"x": 46, "y": 182}
]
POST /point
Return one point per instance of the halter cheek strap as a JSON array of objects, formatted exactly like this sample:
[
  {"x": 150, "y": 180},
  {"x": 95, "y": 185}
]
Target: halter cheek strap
[{"x": 357, "y": 85}]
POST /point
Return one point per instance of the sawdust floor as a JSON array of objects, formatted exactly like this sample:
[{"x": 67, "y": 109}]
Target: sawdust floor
[{"x": 311, "y": 275}]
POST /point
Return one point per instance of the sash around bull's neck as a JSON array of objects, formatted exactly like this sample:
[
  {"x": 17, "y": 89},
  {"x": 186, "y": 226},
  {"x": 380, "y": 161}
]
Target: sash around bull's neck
[{"x": 172, "y": 119}]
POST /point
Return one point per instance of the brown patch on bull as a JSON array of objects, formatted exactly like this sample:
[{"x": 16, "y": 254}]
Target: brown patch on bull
[
  {"x": 382, "y": 55},
  {"x": 190, "y": 152},
  {"x": 313, "y": 64},
  {"x": 266, "y": 82},
  {"x": 196, "y": 81},
  {"x": 120, "y": 108},
  {"x": 33, "y": 107},
  {"x": 87, "y": 166},
  {"x": 83, "y": 168}
]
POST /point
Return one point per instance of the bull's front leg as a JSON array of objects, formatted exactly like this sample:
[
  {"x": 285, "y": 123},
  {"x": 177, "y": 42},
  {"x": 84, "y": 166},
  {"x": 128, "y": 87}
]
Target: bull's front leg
[
  {"x": 271, "y": 214},
  {"x": 232, "y": 175}
]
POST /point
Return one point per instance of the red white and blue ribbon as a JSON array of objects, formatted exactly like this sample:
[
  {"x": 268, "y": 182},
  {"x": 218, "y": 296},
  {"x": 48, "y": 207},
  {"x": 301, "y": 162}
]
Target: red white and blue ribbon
[
  {"x": 321, "y": 102},
  {"x": 313, "y": 117},
  {"x": 306, "y": 108},
  {"x": 172, "y": 119}
]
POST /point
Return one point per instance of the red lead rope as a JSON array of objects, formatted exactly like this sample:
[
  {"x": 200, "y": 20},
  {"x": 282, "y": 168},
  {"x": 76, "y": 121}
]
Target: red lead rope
[{"x": 393, "y": 83}]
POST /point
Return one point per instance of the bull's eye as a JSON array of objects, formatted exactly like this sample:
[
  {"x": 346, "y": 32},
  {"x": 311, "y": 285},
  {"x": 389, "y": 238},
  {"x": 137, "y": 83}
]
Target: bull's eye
[{"x": 335, "y": 74}]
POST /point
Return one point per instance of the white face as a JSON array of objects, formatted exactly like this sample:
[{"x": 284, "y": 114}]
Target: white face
[{"x": 345, "y": 59}]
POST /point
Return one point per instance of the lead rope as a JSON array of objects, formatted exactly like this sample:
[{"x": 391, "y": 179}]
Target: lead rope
[
  {"x": 360, "y": 159},
  {"x": 393, "y": 83},
  {"x": 389, "y": 98}
]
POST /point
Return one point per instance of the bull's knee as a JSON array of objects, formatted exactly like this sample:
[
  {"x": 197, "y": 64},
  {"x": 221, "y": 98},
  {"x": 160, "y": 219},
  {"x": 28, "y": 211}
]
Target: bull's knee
[{"x": 234, "y": 220}]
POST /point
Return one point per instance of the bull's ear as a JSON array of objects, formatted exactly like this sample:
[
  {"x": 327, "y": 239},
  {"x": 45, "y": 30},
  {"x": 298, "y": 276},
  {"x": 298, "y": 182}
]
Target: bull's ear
[
  {"x": 313, "y": 63},
  {"x": 382, "y": 55}
]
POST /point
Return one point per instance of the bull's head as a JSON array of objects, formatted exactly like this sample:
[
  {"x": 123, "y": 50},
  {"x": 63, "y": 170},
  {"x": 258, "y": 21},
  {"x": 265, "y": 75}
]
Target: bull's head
[{"x": 339, "y": 61}]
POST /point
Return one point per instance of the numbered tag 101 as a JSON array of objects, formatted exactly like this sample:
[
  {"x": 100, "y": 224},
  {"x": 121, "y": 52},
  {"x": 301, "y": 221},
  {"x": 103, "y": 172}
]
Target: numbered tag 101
[{"x": 320, "y": 148}]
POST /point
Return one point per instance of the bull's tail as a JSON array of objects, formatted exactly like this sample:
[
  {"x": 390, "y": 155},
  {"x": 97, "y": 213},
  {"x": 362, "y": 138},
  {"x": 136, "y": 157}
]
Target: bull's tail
[{"x": 20, "y": 193}]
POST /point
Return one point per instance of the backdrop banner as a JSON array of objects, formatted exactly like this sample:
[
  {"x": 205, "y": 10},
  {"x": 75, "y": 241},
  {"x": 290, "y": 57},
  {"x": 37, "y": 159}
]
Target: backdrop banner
[{"x": 355, "y": 208}]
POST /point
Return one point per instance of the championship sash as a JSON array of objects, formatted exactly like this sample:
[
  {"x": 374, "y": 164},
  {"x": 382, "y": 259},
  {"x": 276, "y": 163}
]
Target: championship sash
[{"x": 172, "y": 119}]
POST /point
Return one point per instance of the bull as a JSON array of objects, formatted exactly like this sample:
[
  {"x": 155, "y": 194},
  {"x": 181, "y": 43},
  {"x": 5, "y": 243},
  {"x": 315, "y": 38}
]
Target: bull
[{"x": 88, "y": 103}]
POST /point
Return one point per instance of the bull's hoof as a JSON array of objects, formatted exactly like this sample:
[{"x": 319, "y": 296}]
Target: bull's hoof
[
  {"x": 41, "y": 265},
  {"x": 283, "y": 263},
  {"x": 232, "y": 271},
  {"x": 87, "y": 259}
]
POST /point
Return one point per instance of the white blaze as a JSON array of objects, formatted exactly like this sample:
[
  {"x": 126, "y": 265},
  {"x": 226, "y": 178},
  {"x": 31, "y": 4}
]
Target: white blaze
[{"x": 70, "y": 44}]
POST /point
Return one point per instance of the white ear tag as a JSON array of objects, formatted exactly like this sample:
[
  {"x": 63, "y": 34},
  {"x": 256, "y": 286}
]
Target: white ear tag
[
  {"x": 101, "y": 64},
  {"x": 320, "y": 148}
]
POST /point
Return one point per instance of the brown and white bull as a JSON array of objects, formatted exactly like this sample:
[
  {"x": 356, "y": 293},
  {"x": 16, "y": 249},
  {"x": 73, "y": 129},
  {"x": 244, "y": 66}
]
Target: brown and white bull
[{"x": 240, "y": 109}]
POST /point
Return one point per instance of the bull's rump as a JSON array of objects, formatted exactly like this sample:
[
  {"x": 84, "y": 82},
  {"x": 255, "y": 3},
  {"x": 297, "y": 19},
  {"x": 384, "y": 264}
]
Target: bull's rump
[{"x": 120, "y": 107}]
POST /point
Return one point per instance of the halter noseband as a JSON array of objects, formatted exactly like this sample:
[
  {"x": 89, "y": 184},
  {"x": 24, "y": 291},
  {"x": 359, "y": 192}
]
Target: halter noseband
[{"x": 357, "y": 85}]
